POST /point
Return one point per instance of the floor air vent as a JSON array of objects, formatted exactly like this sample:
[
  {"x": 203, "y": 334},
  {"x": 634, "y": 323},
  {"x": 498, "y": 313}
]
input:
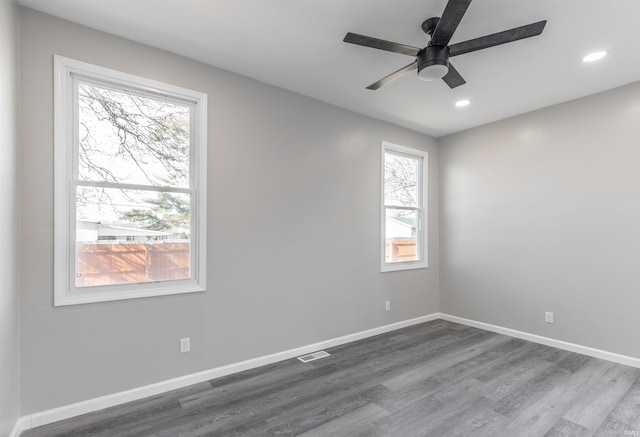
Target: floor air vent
[{"x": 313, "y": 356}]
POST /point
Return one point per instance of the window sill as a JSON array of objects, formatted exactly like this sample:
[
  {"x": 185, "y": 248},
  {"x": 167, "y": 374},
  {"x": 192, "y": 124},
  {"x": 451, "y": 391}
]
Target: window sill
[
  {"x": 403, "y": 266},
  {"x": 125, "y": 292}
]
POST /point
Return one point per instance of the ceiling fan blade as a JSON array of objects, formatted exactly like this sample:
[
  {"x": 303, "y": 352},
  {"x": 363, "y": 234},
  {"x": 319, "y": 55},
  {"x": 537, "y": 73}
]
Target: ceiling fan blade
[
  {"x": 496, "y": 39},
  {"x": 453, "y": 78},
  {"x": 380, "y": 44},
  {"x": 453, "y": 13},
  {"x": 393, "y": 76}
]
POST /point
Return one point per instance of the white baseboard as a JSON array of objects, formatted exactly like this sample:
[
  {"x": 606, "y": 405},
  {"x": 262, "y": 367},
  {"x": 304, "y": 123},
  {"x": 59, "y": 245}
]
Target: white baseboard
[
  {"x": 88, "y": 406},
  {"x": 585, "y": 350},
  {"x": 18, "y": 427}
]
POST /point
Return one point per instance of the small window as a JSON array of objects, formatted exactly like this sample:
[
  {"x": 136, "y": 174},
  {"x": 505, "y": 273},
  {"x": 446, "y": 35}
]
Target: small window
[
  {"x": 403, "y": 220},
  {"x": 130, "y": 179}
]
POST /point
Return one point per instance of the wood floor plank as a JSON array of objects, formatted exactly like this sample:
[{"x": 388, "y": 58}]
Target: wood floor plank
[
  {"x": 407, "y": 422},
  {"x": 482, "y": 422},
  {"x": 624, "y": 419},
  {"x": 435, "y": 379},
  {"x": 447, "y": 358},
  {"x": 446, "y": 375},
  {"x": 566, "y": 428},
  {"x": 349, "y": 423},
  {"x": 597, "y": 402},
  {"x": 429, "y": 415},
  {"x": 458, "y": 418},
  {"x": 519, "y": 358},
  {"x": 532, "y": 389},
  {"x": 509, "y": 375},
  {"x": 299, "y": 420},
  {"x": 627, "y": 409},
  {"x": 539, "y": 415}
]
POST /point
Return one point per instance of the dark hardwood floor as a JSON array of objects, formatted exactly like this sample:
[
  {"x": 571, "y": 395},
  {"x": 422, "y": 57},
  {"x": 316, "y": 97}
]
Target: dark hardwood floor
[{"x": 435, "y": 379}]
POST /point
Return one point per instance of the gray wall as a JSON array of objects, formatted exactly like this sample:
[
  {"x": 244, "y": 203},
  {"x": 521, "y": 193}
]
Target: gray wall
[
  {"x": 541, "y": 212},
  {"x": 9, "y": 291},
  {"x": 293, "y": 235}
]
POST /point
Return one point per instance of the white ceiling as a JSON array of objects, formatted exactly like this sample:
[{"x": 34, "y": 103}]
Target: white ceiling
[{"x": 297, "y": 45}]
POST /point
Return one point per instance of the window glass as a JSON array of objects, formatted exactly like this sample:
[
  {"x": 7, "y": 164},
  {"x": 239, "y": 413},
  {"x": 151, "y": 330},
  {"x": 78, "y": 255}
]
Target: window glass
[
  {"x": 125, "y": 236},
  {"x": 127, "y": 138},
  {"x": 401, "y": 231},
  {"x": 400, "y": 180}
]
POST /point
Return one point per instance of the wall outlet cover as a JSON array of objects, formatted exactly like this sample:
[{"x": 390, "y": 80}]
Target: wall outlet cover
[{"x": 185, "y": 345}]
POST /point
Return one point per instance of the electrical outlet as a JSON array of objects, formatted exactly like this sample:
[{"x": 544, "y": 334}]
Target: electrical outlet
[
  {"x": 387, "y": 305},
  {"x": 185, "y": 345},
  {"x": 548, "y": 317}
]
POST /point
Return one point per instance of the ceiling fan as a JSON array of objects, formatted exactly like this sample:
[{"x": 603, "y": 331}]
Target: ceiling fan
[{"x": 432, "y": 61}]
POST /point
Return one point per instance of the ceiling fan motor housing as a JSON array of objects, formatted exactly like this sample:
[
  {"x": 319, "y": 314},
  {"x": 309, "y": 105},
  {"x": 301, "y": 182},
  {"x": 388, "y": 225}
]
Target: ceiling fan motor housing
[{"x": 431, "y": 56}]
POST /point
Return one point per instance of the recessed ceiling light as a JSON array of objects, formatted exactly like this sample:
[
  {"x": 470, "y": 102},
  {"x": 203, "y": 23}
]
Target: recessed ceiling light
[
  {"x": 591, "y": 57},
  {"x": 462, "y": 103}
]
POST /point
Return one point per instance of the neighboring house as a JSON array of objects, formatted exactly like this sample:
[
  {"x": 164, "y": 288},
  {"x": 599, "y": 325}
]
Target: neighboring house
[
  {"x": 401, "y": 227},
  {"x": 88, "y": 231}
]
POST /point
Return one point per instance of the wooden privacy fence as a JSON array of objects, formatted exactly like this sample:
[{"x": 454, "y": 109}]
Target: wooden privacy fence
[
  {"x": 117, "y": 263},
  {"x": 399, "y": 250}
]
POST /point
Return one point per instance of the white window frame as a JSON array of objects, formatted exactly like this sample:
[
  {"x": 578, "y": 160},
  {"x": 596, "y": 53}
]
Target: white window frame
[
  {"x": 65, "y": 149},
  {"x": 422, "y": 241}
]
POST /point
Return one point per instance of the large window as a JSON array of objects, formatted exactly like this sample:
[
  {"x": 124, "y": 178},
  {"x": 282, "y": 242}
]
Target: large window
[
  {"x": 130, "y": 178},
  {"x": 403, "y": 221}
]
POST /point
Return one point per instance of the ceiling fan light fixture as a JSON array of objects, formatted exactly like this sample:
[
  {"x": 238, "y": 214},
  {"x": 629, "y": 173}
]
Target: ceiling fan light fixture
[
  {"x": 595, "y": 56},
  {"x": 433, "y": 72}
]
